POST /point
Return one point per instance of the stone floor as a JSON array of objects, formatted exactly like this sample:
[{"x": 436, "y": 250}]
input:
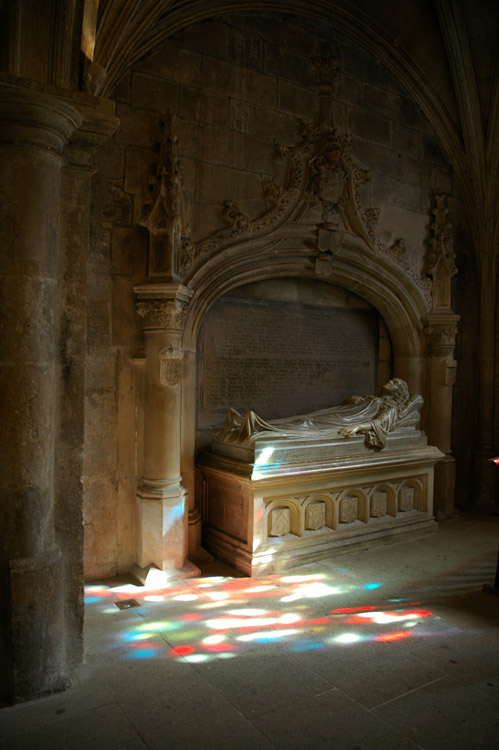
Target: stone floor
[{"x": 389, "y": 647}]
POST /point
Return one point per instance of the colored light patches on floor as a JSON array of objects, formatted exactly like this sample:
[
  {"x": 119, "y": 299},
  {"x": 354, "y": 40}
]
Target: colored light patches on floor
[{"x": 218, "y": 618}]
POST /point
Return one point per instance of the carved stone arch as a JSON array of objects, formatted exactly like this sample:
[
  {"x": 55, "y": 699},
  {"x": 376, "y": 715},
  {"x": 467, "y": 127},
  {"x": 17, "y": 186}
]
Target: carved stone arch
[
  {"x": 352, "y": 505},
  {"x": 382, "y": 497},
  {"x": 411, "y": 496},
  {"x": 330, "y": 514},
  {"x": 375, "y": 280},
  {"x": 288, "y": 521}
]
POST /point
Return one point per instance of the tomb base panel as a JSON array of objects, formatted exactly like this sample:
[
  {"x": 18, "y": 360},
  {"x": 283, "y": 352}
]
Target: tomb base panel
[{"x": 271, "y": 523}]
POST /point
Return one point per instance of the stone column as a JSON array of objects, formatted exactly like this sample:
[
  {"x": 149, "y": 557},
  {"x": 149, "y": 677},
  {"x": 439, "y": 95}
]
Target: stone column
[
  {"x": 76, "y": 182},
  {"x": 33, "y": 129},
  {"x": 442, "y": 332},
  {"x": 162, "y": 512}
]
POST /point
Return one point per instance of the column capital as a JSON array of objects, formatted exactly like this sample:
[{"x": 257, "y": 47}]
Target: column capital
[
  {"x": 442, "y": 330},
  {"x": 43, "y": 117},
  {"x": 35, "y": 118},
  {"x": 162, "y": 306}
]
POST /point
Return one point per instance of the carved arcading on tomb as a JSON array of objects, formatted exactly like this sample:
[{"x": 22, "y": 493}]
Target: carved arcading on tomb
[
  {"x": 379, "y": 504},
  {"x": 279, "y": 521},
  {"x": 161, "y": 314},
  {"x": 406, "y": 499},
  {"x": 315, "y": 515},
  {"x": 349, "y": 509}
]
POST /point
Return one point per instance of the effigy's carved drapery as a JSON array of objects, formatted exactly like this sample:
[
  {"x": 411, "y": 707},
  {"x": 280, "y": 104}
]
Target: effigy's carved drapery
[{"x": 372, "y": 416}]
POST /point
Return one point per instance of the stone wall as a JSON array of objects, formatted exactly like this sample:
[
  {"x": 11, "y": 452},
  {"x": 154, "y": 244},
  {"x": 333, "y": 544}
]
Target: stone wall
[{"x": 236, "y": 86}]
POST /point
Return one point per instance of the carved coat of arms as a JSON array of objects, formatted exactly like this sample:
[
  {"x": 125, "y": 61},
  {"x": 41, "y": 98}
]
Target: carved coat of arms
[{"x": 170, "y": 366}]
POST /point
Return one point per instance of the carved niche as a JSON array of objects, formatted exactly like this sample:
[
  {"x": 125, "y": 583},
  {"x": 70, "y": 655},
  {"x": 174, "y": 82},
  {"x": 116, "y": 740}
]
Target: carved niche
[
  {"x": 440, "y": 259},
  {"x": 163, "y": 211}
]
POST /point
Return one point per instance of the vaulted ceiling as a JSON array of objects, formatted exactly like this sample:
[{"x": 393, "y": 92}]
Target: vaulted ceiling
[{"x": 444, "y": 53}]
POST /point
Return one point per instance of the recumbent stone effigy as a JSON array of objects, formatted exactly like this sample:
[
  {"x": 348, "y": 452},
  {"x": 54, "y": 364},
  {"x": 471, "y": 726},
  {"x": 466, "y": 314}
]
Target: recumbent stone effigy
[{"x": 289, "y": 491}]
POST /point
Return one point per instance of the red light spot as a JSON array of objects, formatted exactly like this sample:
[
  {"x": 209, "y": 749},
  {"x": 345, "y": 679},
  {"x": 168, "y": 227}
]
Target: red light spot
[
  {"x": 397, "y": 636},
  {"x": 219, "y": 647},
  {"x": 182, "y": 651},
  {"x": 191, "y": 617},
  {"x": 349, "y": 610}
]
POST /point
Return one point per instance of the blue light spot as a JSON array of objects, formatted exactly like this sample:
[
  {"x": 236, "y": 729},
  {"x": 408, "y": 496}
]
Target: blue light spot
[
  {"x": 372, "y": 585},
  {"x": 142, "y": 653},
  {"x": 307, "y": 647}
]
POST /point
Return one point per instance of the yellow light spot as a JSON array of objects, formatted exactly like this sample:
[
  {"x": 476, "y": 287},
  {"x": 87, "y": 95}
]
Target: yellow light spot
[
  {"x": 213, "y": 639},
  {"x": 185, "y": 598}
]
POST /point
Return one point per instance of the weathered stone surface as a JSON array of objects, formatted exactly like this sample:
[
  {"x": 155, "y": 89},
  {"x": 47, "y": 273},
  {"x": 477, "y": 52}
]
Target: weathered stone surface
[
  {"x": 251, "y": 118},
  {"x": 381, "y": 102},
  {"x": 170, "y": 62},
  {"x": 394, "y": 192},
  {"x": 379, "y": 157},
  {"x": 376, "y": 129},
  {"x": 294, "y": 364},
  {"x": 203, "y": 106},
  {"x": 152, "y": 92},
  {"x": 211, "y": 38},
  {"x": 136, "y": 127},
  {"x": 406, "y": 140},
  {"x": 295, "y": 99},
  {"x": 348, "y": 90},
  {"x": 412, "y": 116},
  {"x": 239, "y": 85}
]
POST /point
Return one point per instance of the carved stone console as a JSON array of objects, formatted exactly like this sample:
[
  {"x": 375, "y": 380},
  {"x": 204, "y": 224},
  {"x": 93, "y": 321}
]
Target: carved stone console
[{"x": 269, "y": 507}]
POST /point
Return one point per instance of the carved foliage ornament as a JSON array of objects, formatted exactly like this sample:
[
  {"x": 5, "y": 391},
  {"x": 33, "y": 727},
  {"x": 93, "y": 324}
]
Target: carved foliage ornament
[
  {"x": 441, "y": 244},
  {"x": 161, "y": 314},
  {"x": 325, "y": 64},
  {"x": 442, "y": 335},
  {"x": 321, "y": 175}
]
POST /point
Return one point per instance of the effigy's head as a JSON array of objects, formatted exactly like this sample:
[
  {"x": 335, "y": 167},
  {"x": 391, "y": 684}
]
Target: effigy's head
[{"x": 397, "y": 389}]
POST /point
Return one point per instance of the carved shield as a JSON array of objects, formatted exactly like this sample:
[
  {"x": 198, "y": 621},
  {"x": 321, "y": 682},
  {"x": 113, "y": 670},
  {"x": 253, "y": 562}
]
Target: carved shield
[{"x": 171, "y": 371}]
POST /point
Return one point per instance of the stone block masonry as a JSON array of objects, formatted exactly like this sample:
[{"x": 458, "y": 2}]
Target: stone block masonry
[{"x": 237, "y": 86}]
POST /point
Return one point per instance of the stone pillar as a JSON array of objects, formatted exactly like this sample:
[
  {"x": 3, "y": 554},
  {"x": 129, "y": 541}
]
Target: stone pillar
[
  {"x": 76, "y": 181},
  {"x": 33, "y": 129},
  {"x": 442, "y": 332},
  {"x": 162, "y": 512}
]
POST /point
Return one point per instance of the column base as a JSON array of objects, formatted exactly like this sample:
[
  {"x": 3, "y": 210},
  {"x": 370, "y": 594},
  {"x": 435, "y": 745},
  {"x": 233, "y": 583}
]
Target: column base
[
  {"x": 38, "y": 659},
  {"x": 162, "y": 526},
  {"x": 153, "y": 578}
]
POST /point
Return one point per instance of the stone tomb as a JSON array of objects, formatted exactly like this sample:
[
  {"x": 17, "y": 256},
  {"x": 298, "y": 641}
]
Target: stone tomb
[{"x": 272, "y": 503}]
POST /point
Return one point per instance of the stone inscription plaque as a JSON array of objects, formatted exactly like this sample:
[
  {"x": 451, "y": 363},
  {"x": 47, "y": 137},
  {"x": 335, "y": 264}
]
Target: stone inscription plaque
[{"x": 282, "y": 359}]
